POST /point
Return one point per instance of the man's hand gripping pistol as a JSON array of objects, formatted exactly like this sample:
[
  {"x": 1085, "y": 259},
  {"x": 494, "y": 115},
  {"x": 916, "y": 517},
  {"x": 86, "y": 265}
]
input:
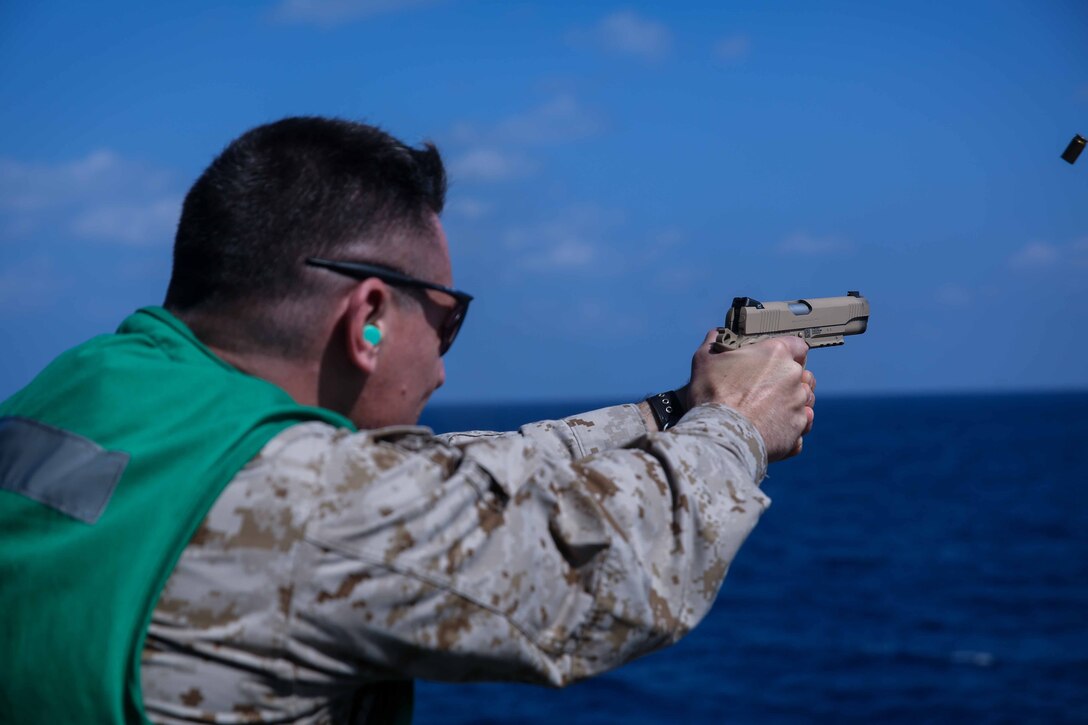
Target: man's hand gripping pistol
[{"x": 820, "y": 322}]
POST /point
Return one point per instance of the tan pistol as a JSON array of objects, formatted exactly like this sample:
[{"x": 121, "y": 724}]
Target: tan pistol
[{"x": 819, "y": 321}]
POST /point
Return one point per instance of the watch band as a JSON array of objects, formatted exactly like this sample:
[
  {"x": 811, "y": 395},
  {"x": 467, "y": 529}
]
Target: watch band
[{"x": 666, "y": 408}]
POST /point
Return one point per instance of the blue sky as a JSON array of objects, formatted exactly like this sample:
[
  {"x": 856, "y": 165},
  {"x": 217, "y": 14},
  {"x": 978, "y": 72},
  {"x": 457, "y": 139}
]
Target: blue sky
[{"x": 620, "y": 172}]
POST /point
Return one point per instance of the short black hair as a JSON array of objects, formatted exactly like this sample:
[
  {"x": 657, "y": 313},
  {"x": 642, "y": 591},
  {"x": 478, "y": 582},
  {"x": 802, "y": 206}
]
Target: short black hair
[{"x": 296, "y": 188}]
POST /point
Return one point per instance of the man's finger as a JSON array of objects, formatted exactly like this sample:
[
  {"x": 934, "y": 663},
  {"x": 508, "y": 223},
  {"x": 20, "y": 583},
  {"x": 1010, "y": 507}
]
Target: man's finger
[{"x": 797, "y": 348}]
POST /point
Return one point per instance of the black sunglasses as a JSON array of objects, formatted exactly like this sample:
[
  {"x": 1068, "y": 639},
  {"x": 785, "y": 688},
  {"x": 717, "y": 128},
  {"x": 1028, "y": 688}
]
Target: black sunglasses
[{"x": 360, "y": 270}]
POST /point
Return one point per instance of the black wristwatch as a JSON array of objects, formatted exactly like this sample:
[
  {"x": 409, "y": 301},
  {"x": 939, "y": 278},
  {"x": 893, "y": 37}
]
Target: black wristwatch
[{"x": 666, "y": 408}]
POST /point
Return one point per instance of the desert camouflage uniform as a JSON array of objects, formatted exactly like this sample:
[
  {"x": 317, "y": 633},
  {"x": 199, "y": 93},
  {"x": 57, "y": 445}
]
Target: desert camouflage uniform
[{"x": 337, "y": 561}]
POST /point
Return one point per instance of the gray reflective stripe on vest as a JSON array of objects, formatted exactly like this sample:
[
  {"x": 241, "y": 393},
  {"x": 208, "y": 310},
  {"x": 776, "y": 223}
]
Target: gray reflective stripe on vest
[{"x": 64, "y": 471}]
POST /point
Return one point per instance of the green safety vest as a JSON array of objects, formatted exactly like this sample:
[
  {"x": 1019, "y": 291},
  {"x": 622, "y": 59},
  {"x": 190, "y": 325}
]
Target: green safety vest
[{"x": 109, "y": 461}]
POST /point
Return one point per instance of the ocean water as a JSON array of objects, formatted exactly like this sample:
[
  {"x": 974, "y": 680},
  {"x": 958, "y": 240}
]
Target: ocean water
[{"x": 924, "y": 560}]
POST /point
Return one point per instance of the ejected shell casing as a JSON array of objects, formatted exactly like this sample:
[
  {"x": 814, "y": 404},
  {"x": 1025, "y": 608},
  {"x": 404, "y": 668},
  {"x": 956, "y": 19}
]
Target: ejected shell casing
[{"x": 1072, "y": 151}]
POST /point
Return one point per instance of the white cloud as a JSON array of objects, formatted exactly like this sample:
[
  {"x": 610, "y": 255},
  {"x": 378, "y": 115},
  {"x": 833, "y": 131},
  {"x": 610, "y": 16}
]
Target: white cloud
[
  {"x": 151, "y": 223},
  {"x": 1035, "y": 255},
  {"x": 565, "y": 254},
  {"x": 630, "y": 34},
  {"x": 808, "y": 245},
  {"x": 469, "y": 208},
  {"x": 101, "y": 195},
  {"x": 672, "y": 280},
  {"x": 953, "y": 295},
  {"x": 558, "y": 120},
  {"x": 328, "y": 13},
  {"x": 733, "y": 47},
  {"x": 488, "y": 164},
  {"x": 625, "y": 32},
  {"x": 561, "y": 119},
  {"x": 31, "y": 187},
  {"x": 574, "y": 240},
  {"x": 1043, "y": 255},
  {"x": 496, "y": 151}
]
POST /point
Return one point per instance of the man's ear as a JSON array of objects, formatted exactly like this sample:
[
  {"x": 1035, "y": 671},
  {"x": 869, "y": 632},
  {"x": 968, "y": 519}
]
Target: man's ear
[{"x": 369, "y": 306}]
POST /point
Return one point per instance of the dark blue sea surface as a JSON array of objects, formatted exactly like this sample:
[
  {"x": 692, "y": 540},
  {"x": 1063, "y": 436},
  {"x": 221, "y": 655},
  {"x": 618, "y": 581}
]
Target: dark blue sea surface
[{"x": 925, "y": 560}]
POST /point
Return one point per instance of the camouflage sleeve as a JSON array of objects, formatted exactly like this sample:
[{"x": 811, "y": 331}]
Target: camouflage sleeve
[
  {"x": 573, "y": 437},
  {"x": 497, "y": 559},
  {"x": 336, "y": 561}
]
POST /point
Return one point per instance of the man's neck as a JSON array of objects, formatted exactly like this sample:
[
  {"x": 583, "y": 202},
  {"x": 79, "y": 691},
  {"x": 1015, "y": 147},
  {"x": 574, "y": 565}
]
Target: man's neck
[{"x": 299, "y": 379}]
